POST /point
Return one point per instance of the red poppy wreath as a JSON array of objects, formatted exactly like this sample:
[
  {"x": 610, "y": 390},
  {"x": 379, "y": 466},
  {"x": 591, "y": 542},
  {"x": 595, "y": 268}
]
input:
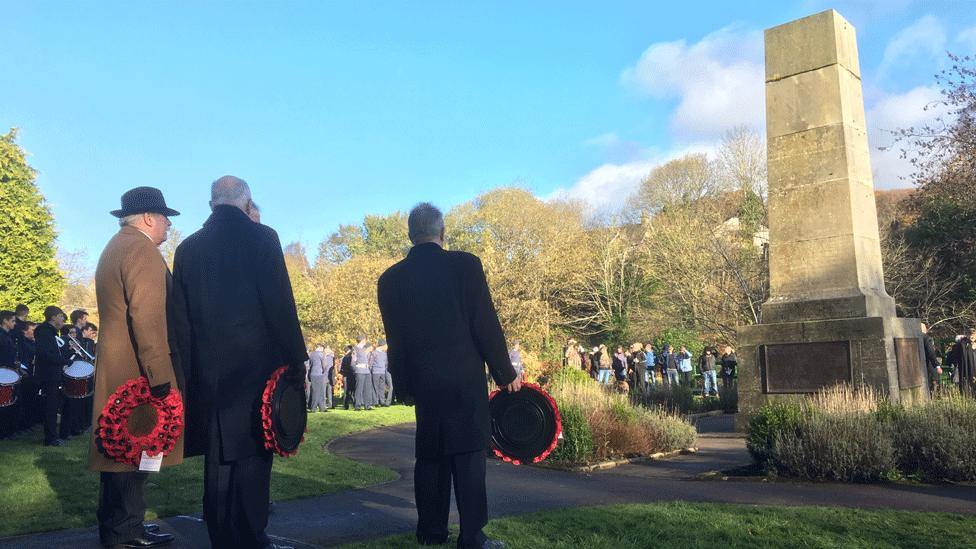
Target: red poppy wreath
[
  {"x": 273, "y": 440},
  {"x": 526, "y": 425},
  {"x": 113, "y": 435}
]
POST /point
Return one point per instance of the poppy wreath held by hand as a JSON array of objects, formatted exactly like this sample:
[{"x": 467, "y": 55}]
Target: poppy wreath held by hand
[
  {"x": 543, "y": 446},
  {"x": 112, "y": 433},
  {"x": 272, "y": 442}
]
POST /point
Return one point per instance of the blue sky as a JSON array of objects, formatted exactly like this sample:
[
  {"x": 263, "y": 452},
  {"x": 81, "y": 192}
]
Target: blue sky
[{"x": 332, "y": 111}]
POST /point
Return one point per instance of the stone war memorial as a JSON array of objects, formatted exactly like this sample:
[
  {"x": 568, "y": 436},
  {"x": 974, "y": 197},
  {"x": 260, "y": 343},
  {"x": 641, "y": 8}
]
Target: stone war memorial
[{"x": 828, "y": 319}]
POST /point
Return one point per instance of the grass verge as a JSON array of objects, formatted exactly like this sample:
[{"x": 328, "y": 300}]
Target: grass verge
[
  {"x": 46, "y": 488},
  {"x": 687, "y": 525}
]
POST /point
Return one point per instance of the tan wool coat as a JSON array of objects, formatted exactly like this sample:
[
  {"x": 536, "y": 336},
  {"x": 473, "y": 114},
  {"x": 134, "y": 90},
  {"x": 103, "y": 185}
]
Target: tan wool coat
[{"x": 131, "y": 283}]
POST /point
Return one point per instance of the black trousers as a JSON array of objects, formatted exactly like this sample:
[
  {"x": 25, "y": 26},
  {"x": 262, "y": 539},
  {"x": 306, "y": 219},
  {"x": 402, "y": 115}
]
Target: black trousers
[
  {"x": 348, "y": 394},
  {"x": 121, "y": 507},
  {"x": 52, "y": 405},
  {"x": 235, "y": 498},
  {"x": 432, "y": 490}
]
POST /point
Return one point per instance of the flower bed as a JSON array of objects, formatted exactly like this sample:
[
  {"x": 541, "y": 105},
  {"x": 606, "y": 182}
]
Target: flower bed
[
  {"x": 599, "y": 425},
  {"x": 849, "y": 435}
]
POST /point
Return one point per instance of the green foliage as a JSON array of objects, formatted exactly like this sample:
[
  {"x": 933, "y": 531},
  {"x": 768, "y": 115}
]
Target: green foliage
[
  {"x": 570, "y": 376},
  {"x": 30, "y": 272},
  {"x": 846, "y": 447},
  {"x": 379, "y": 235},
  {"x": 704, "y": 525},
  {"x": 855, "y": 436},
  {"x": 678, "y": 337},
  {"x": 937, "y": 441},
  {"x": 46, "y": 487},
  {"x": 679, "y": 399},
  {"x": 577, "y": 443},
  {"x": 767, "y": 424}
]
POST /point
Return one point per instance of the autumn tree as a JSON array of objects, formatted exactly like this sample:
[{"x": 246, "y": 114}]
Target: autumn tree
[{"x": 29, "y": 268}]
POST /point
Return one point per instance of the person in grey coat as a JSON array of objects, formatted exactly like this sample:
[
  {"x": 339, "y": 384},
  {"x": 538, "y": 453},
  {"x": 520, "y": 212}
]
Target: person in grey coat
[
  {"x": 316, "y": 380},
  {"x": 360, "y": 366},
  {"x": 382, "y": 394},
  {"x": 328, "y": 378}
]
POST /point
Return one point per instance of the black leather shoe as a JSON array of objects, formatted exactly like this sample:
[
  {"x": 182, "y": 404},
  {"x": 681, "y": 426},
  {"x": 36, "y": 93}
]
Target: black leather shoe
[
  {"x": 151, "y": 527},
  {"x": 147, "y": 539}
]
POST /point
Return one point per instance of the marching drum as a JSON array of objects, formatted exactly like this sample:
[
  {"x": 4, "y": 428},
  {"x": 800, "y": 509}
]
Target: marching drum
[
  {"x": 9, "y": 379},
  {"x": 79, "y": 379}
]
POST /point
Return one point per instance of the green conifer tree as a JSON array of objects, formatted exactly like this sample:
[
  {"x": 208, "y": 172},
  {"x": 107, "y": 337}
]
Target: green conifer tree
[{"x": 29, "y": 271}]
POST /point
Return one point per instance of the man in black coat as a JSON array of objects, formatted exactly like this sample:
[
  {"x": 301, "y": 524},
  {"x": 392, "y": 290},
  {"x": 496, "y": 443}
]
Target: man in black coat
[
  {"x": 442, "y": 329},
  {"x": 49, "y": 363},
  {"x": 243, "y": 325},
  {"x": 933, "y": 364}
]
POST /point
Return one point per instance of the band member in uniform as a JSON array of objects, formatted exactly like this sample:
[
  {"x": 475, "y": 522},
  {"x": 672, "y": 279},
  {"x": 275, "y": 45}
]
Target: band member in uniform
[
  {"x": 132, "y": 284},
  {"x": 382, "y": 394},
  {"x": 21, "y": 312},
  {"x": 316, "y": 380},
  {"x": 48, "y": 365},
  {"x": 443, "y": 329},
  {"x": 31, "y": 405},
  {"x": 234, "y": 268},
  {"x": 360, "y": 365},
  {"x": 9, "y": 415}
]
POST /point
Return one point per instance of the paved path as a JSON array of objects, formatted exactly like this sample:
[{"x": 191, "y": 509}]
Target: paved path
[{"x": 385, "y": 509}]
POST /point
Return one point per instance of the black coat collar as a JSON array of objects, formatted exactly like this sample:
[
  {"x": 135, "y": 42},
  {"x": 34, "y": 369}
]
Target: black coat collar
[
  {"x": 425, "y": 249},
  {"x": 223, "y": 213}
]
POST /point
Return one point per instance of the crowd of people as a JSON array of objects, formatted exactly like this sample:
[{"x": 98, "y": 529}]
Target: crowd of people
[
  {"x": 362, "y": 374},
  {"x": 642, "y": 367},
  {"x": 48, "y": 371}
]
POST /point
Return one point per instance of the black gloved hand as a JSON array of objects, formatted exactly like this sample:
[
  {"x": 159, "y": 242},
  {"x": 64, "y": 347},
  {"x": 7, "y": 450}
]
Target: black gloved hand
[{"x": 159, "y": 391}]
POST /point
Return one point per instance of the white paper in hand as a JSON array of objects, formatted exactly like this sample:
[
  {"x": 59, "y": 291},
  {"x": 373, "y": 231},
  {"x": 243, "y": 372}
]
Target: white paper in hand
[{"x": 150, "y": 463}]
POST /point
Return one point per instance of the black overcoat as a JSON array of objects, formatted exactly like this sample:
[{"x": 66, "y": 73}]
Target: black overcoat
[
  {"x": 242, "y": 325},
  {"x": 442, "y": 329}
]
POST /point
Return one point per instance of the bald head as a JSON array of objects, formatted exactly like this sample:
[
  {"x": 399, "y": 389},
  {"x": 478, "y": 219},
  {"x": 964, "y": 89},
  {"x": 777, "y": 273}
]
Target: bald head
[{"x": 230, "y": 191}]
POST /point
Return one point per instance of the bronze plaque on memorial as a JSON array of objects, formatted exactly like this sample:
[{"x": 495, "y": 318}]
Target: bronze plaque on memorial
[
  {"x": 804, "y": 367},
  {"x": 910, "y": 372}
]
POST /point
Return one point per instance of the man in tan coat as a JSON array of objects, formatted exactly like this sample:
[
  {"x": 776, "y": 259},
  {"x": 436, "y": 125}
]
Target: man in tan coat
[{"x": 131, "y": 283}]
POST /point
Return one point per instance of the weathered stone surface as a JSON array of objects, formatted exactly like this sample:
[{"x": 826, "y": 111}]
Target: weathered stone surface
[
  {"x": 795, "y": 104},
  {"x": 806, "y": 44}
]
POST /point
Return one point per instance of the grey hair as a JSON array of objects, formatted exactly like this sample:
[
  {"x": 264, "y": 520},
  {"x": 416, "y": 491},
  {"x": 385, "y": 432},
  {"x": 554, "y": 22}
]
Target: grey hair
[
  {"x": 129, "y": 220},
  {"x": 425, "y": 223},
  {"x": 230, "y": 191}
]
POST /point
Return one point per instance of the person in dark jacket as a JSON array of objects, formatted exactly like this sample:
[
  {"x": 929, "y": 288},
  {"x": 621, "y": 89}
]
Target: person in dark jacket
[
  {"x": 348, "y": 379},
  {"x": 49, "y": 364},
  {"x": 729, "y": 363},
  {"x": 964, "y": 357},
  {"x": 21, "y": 312},
  {"x": 31, "y": 405},
  {"x": 8, "y": 347},
  {"x": 243, "y": 325},
  {"x": 442, "y": 328},
  {"x": 933, "y": 364}
]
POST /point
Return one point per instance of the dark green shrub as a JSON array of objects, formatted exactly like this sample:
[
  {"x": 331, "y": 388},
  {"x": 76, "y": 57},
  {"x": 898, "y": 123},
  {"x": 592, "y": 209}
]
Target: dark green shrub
[
  {"x": 679, "y": 400},
  {"x": 937, "y": 441},
  {"x": 769, "y": 422},
  {"x": 849, "y": 447},
  {"x": 576, "y": 445},
  {"x": 570, "y": 376},
  {"x": 728, "y": 400}
]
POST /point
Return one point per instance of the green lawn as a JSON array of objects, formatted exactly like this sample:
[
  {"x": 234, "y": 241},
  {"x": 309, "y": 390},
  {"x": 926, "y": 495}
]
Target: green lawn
[
  {"x": 45, "y": 488},
  {"x": 688, "y": 525}
]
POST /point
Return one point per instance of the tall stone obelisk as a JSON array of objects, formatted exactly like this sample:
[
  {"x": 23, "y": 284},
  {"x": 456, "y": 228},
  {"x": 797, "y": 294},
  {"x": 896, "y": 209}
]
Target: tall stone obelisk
[{"x": 829, "y": 319}]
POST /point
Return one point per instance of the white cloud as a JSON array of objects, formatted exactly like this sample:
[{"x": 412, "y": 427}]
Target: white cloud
[
  {"x": 718, "y": 81},
  {"x": 923, "y": 39},
  {"x": 893, "y": 112},
  {"x": 967, "y": 38},
  {"x": 607, "y": 188},
  {"x": 604, "y": 140}
]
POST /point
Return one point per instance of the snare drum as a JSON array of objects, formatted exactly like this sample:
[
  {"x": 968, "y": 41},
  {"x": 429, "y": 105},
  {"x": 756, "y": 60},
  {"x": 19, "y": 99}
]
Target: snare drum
[
  {"x": 9, "y": 379},
  {"x": 79, "y": 379}
]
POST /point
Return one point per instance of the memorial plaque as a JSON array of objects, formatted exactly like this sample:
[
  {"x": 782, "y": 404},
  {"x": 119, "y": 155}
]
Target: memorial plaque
[
  {"x": 804, "y": 367},
  {"x": 910, "y": 372}
]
